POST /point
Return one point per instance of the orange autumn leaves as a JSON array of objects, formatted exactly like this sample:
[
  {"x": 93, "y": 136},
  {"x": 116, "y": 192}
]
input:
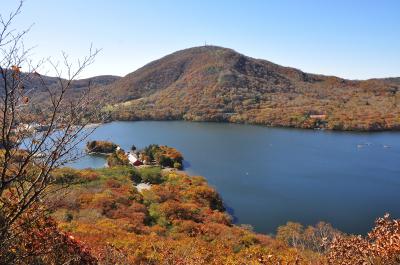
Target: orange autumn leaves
[
  {"x": 380, "y": 246},
  {"x": 180, "y": 220}
]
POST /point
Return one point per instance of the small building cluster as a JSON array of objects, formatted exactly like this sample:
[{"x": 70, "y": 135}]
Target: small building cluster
[
  {"x": 134, "y": 160},
  {"x": 30, "y": 127}
]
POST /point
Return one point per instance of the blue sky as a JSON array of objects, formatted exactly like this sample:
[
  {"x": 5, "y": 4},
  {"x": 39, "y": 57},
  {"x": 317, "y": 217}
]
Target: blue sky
[{"x": 356, "y": 39}]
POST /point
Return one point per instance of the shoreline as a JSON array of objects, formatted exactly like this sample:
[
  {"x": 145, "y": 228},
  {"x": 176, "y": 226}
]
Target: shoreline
[{"x": 395, "y": 130}]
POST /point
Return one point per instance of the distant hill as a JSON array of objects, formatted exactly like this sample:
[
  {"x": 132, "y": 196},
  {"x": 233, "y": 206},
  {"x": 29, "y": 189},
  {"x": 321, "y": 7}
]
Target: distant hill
[
  {"x": 34, "y": 82},
  {"x": 36, "y": 86}
]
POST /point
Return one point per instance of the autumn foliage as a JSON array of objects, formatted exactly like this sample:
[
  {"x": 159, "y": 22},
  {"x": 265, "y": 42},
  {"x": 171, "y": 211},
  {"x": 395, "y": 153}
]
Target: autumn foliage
[
  {"x": 163, "y": 155},
  {"x": 180, "y": 220},
  {"x": 117, "y": 158},
  {"x": 36, "y": 239},
  {"x": 381, "y": 246},
  {"x": 102, "y": 218},
  {"x": 104, "y": 147},
  {"x": 218, "y": 84}
]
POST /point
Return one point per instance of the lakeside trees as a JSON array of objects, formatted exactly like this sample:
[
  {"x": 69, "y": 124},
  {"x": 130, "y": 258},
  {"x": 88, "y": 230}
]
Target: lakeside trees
[
  {"x": 161, "y": 155},
  {"x": 164, "y": 155},
  {"x": 117, "y": 158},
  {"x": 103, "y": 147}
]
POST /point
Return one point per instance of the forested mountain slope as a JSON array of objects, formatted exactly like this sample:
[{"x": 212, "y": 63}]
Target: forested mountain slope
[
  {"x": 217, "y": 84},
  {"x": 212, "y": 83}
]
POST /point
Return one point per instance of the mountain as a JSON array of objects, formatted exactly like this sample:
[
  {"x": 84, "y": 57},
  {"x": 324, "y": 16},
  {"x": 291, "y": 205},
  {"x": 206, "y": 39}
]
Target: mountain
[
  {"x": 77, "y": 86},
  {"x": 212, "y": 83},
  {"x": 35, "y": 82},
  {"x": 38, "y": 90},
  {"x": 36, "y": 85}
]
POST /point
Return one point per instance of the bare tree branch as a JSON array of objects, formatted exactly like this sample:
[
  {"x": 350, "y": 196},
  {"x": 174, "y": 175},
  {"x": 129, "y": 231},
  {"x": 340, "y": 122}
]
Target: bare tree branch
[{"x": 34, "y": 144}]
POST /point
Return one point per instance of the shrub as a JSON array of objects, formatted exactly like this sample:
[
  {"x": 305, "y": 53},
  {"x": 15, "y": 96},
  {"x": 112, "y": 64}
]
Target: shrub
[
  {"x": 135, "y": 176},
  {"x": 151, "y": 175},
  {"x": 163, "y": 160},
  {"x": 118, "y": 158},
  {"x": 112, "y": 183},
  {"x": 178, "y": 165},
  {"x": 156, "y": 217},
  {"x": 175, "y": 210},
  {"x": 135, "y": 195},
  {"x": 249, "y": 239},
  {"x": 89, "y": 175},
  {"x": 67, "y": 176},
  {"x": 68, "y": 217}
]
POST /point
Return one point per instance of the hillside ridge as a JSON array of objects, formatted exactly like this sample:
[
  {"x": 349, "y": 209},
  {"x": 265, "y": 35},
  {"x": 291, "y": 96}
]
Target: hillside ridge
[{"x": 211, "y": 83}]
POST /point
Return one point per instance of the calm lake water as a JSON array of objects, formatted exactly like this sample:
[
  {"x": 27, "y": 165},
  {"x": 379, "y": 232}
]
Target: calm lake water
[{"x": 268, "y": 176}]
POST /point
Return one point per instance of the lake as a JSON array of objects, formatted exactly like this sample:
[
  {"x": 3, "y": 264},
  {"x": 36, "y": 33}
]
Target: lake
[{"x": 268, "y": 176}]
